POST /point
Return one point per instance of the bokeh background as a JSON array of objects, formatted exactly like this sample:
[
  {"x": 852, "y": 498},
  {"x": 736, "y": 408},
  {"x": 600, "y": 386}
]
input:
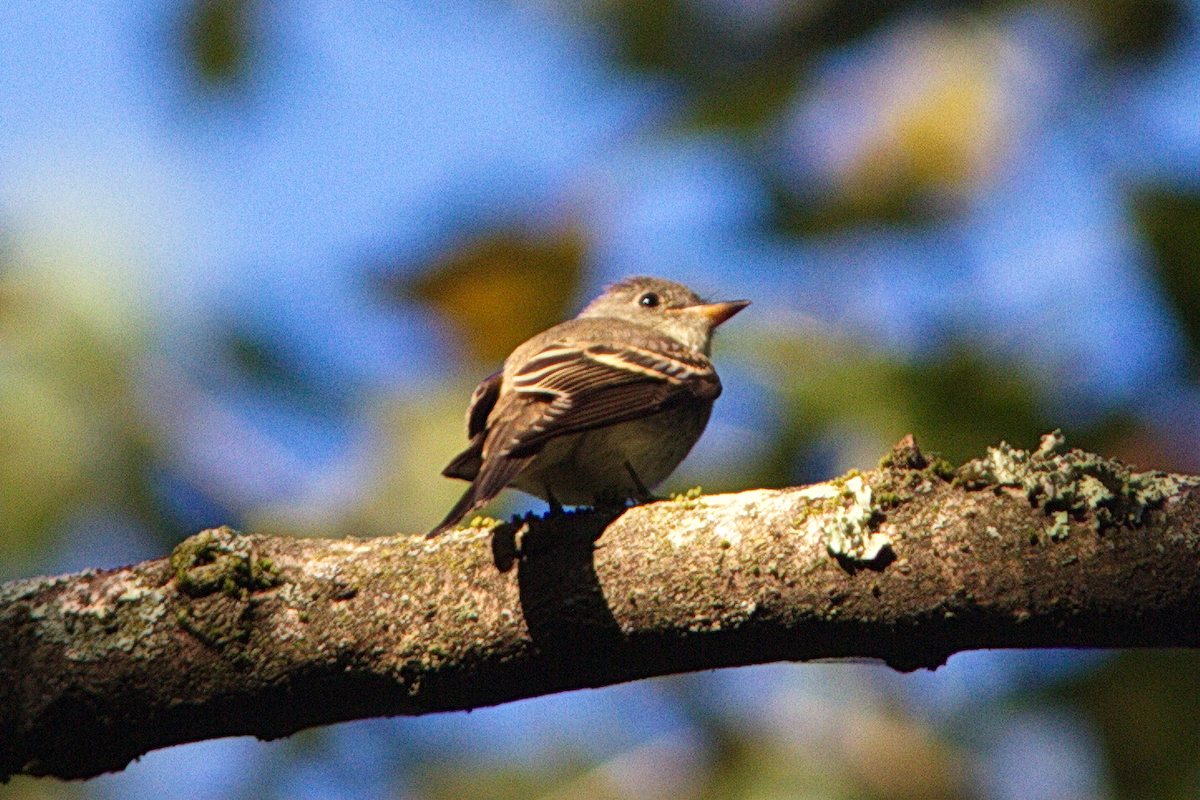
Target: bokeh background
[{"x": 254, "y": 256}]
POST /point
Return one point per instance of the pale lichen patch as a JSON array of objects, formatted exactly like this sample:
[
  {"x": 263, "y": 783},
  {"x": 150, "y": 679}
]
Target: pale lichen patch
[
  {"x": 1074, "y": 483},
  {"x": 683, "y": 534},
  {"x": 819, "y": 491},
  {"x": 739, "y": 512},
  {"x": 289, "y": 624},
  {"x": 101, "y": 615},
  {"x": 1061, "y": 527},
  {"x": 847, "y": 530},
  {"x": 693, "y": 517},
  {"x": 14, "y": 591},
  {"x": 331, "y": 563}
]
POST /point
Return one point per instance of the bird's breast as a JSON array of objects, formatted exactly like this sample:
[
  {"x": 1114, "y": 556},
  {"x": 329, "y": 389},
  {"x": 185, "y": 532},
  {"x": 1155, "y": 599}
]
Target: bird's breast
[{"x": 579, "y": 468}]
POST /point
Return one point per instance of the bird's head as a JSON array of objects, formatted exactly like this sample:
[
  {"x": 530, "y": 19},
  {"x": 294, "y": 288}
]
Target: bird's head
[{"x": 668, "y": 307}]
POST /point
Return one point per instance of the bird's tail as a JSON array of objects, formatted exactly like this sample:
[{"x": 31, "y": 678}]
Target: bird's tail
[
  {"x": 465, "y": 505},
  {"x": 493, "y": 476}
]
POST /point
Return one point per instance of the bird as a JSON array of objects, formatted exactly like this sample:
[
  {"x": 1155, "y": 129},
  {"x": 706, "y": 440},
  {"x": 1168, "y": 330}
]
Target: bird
[{"x": 599, "y": 409}]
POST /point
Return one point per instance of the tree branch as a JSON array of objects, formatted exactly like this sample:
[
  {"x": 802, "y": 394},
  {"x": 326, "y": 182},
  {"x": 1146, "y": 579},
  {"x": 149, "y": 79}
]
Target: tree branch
[{"x": 909, "y": 563}]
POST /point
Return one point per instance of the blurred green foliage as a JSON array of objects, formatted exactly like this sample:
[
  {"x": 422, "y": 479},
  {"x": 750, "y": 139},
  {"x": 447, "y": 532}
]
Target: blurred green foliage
[
  {"x": 956, "y": 402},
  {"x": 564, "y": 777},
  {"x": 73, "y": 430},
  {"x": 739, "y": 76},
  {"x": 1146, "y": 705},
  {"x": 218, "y": 40},
  {"x": 728, "y": 64},
  {"x": 1134, "y": 31},
  {"x": 1170, "y": 222},
  {"x": 414, "y": 436}
]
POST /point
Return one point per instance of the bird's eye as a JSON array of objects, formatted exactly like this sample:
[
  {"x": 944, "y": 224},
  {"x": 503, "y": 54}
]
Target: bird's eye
[{"x": 649, "y": 300}]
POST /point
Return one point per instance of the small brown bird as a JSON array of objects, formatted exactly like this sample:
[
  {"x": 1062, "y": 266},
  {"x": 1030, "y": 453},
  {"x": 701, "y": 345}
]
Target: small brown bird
[{"x": 598, "y": 409}]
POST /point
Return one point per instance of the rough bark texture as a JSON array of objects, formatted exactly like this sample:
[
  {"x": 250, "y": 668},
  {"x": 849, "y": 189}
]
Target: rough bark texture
[{"x": 910, "y": 563}]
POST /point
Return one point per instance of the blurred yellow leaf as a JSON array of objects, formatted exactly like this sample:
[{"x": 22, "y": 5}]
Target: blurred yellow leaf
[
  {"x": 941, "y": 120},
  {"x": 501, "y": 288},
  {"x": 894, "y": 756}
]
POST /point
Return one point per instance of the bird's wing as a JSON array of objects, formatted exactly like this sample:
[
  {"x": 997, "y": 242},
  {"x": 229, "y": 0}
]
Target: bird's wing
[
  {"x": 576, "y": 387},
  {"x": 567, "y": 388},
  {"x": 466, "y": 464},
  {"x": 483, "y": 400}
]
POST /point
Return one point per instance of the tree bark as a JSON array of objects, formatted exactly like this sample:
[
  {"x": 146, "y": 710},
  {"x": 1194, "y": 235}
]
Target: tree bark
[{"x": 237, "y": 634}]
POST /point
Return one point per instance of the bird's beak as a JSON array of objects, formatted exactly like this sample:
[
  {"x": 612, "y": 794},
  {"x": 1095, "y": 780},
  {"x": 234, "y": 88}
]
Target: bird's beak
[{"x": 716, "y": 313}]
